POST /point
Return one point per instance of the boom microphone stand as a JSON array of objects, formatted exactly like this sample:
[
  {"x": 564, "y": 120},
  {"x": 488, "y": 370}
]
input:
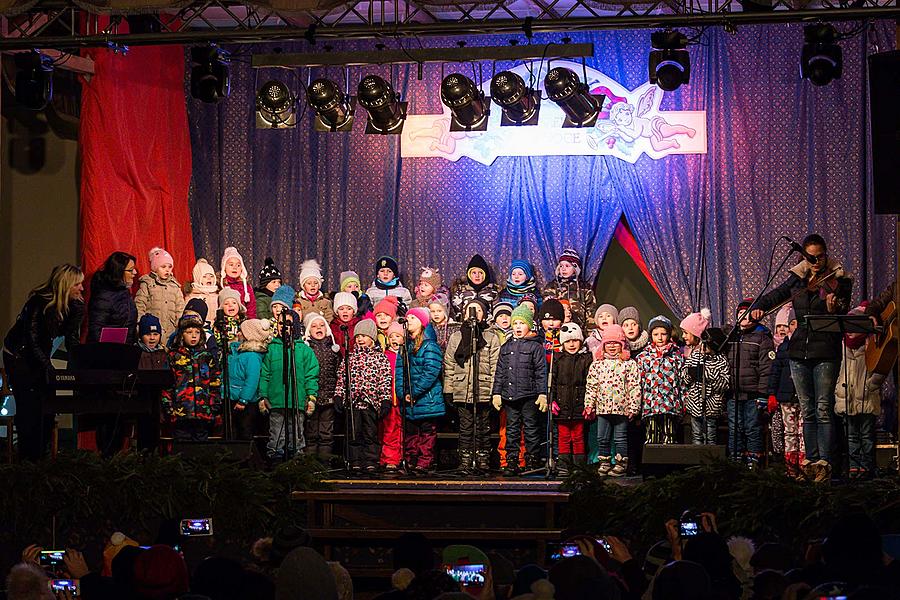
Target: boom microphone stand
[
  {"x": 549, "y": 470},
  {"x": 221, "y": 327},
  {"x": 289, "y": 381},
  {"x": 407, "y": 390},
  {"x": 349, "y": 423}
]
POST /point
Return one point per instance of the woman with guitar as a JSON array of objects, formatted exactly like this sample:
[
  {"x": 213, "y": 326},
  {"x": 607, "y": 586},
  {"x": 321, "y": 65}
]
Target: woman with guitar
[{"x": 816, "y": 286}]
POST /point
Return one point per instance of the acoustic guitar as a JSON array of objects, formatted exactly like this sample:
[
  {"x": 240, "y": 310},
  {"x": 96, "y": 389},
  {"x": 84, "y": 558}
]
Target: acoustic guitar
[{"x": 881, "y": 348}]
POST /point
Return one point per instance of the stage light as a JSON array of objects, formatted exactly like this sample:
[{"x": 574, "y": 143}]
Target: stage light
[
  {"x": 468, "y": 106},
  {"x": 565, "y": 88},
  {"x": 276, "y": 106},
  {"x": 210, "y": 81},
  {"x": 821, "y": 60},
  {"x": 520, "y": 104},
  {"x": 670, "y": 63},
  {"x": 334, "y": 109},
  {"x": 34, "y": 80},
  {"x": 386, "y": 112}
]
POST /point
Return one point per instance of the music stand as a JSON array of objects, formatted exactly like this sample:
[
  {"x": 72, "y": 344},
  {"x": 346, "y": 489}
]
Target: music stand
[{"x": 842, "y": 324}]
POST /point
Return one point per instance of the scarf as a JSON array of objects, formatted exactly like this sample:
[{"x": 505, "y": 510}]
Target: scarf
[
  {"x": 478, "y": 287},
  {"x": 205, "y": 289},
  {"x": 464, "y": 350},
  {"x": 528, "y": 286},
  {"x": 638, "y": 343},
  {"x": 381, "y": 285},
  {"x": 145, "y": 348}
]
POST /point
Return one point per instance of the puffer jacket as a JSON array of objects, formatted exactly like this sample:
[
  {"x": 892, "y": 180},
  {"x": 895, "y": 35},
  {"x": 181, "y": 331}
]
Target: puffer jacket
[
  {"x": 614, "y": 387},
  {"x": 153, "y": 360},
  {"x": 864, "y": 387},
  {"x": 248, "y": 297},
  {"x": 376, "y": 294},
  {"x": 809, "y": 344},
  {"x": 425, "y": 381},
  {"x": 581, "y": 299},
  {"x": 244, "y": 371},
  {"x": 462, "y": 292},
  {"x": 321, "y": 305},
  {"x": 111, "y": 307},
  {"x": 329, "y": 361},
  {"x": 753, "y": 364},
  {"x": 31, "y": 336},
  {"x": 271, "y": 382},
  {"x": 162, "y": 299},
  {"x": 521, "y": 369},
  {"x": 662, "y": 387},
  {"x": 705, "y": 373},
  {"x": 263, "y": 303},
  {"x": 457, "y": 379},
  {"x": 781, "y": 383},
  {"x": 569, "y": 379},
  {"x": 339, "y": 333},
  {"x": 370, "y": 380},
  {"x": 196, "y": 392}
]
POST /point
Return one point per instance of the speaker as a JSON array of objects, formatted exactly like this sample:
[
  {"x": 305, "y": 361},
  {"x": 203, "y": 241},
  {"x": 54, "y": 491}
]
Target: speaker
[
  {"x": 884, "y": 91},
  {"x": 661, "y": 459}
]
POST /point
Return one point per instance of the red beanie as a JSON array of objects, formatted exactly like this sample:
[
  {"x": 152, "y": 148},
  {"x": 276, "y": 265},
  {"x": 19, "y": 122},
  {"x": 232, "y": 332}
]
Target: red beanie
[
  {"x": 160, "y": 574},
  {"x": 388, "y": 305}
]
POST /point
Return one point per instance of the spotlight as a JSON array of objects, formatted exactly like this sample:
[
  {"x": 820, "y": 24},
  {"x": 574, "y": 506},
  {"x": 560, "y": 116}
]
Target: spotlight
[
  {"x": 334, "y": 109},
  {"x": 470, "y": 110},
  {"x": 209, "y": 74},
  {"x": 821, "y": 60},
  {"x": 670, "y": 63},
  {"x": 521, "y": 105},
  {"x": 386, "y": 112},
  {"x": 34, "y": 80},
  {"x": 275, "y": 106},
  {"x": 565, "y": 88}
]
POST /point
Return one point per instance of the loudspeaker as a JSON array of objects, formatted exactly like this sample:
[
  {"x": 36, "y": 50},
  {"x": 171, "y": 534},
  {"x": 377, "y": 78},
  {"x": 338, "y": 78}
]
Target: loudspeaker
[
  {"x": 884, "y": 92},
  {"x": 661, "y": 459}
]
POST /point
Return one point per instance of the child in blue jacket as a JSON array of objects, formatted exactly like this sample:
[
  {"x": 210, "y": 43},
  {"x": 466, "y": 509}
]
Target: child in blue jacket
[{"x": 244, "y": 367}]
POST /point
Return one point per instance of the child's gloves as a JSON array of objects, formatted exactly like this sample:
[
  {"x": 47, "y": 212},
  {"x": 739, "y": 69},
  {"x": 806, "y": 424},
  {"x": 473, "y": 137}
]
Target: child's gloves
[
  {"x": 497, "y": 402},
  {"x": 554, "y": 408},
  {"x": 541, "y": 402},
  {"x": 263, "y": 405},
  {"x": 588, "y": 413},
  {"x": 310, "y": 405},
  {"x": 773, "y": 404}
]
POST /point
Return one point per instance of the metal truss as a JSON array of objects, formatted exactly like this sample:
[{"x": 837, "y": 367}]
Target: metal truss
[{"x": 63, "y": 24}]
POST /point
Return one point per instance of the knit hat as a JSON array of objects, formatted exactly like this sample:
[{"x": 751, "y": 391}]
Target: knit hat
[
  {"x": 345, "y": 299},
  {"x": 310, "y": 269},
  {"x": 387, "y": 262},
  {"x": 348, "y": 277},
  {"x": 311, "y": 318},
  {"x": 629, "y": 312},
  {"x": 232, "y": 294},
  {"x": 149, "y": 324},
  {"x": 421, "y": 314},
  {"x": 190, "y": 319},
  {"x": 607, "y": 308},
  {"x": 342, "y": 580},
  {"x": 201, "y": 268},
  {"x": 553, "y": 309},
  {"x": 570, "y": 255},
  {"x": 485, "y": 307},
  {"x": 478, "y": 262},
  {"x": 231, "y": 252},
  {"x": 696, "y": 323},
  {"x": 614, "y": 333},
  {"x": 284, "y": 296},
  {"x": 442, "y": 299},
  {"x": 518, "y": 263},
  {"x": 159, "y": 257},
  {"x": 529, "y": 297},
  {"x": 571, "y": 331},
  {"x": 524, "y": 314},
  {"x": 395, "y": 327},
  {"x": 431, "y": 276},
  {"x": 388, "y": 305},
  {"x": 160, "y": 572},
  {"x": 658, "y": 321},
  {"x": 197, "y": 305},
  {"x": 367, "y": 328},
  {"x": 502, "y": 308},
  {"x": 745, "y": 303},
  {"x": 784, "y": 315},
  {"x": 269, "y": 272},
  {"x": 257, "y": 330}
]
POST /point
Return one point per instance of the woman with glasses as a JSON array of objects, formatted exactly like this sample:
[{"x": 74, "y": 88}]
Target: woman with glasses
[{"x": 111, "y": 303}]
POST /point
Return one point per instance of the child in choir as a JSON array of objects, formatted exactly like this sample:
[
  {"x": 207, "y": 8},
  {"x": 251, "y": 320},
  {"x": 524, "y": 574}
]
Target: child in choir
[
  {"x": 520, "y": 386},
  {"x": 858, "y": 400},
  {"x": 474, "y": 422},
  {"x": 530, "y": 301},
  {"x": 234, "y": 275},
  {"x": 706, "y": 377},
  {"x": 389, "y": 433},
  {"x": 345, "y": 319},
  {"x": 636, "y": 339},
  {"x": 569, "y": 379},
  {"x": 244, "y": 371},
  {"x": 205, "y": 287},
  {"x": 159, "y": 293},
  {"x": 430, "y": 285},
  {"x": 387, "y": 283},
  {"x": 520, "y": 281},
  {"x": 477, "y": 283},
  {"x": 552, "y": 317},
  {"x": 423, "y": 399},
  {"x": 613, "y": 393},
  {"x": 567, "y": 285},
  {"x": 197, "y": 306},
  {"x": 269, "y": 281},
  {"x": 783, "y": 397},
  {"x": 439, "y": 310},
  {"x": 350, "y": 284},
  {"x": 605, "y": 315},
  {"x": 153, "y": 353},
  {"x": 776, "y": 421},
  {"x": 193, "y": 404},
  {"x": 751, "y": 361},
  {"x": 369, "y": 395},
  {"x": 319, "y": 427},
  {"x": 501, "y": 324},
  {"x": 282, "y": 300},
  {"x": 310, "y": 298},
  {"x": 228, "y": 324},
  {"x": 385, "y": 313},
  {"x": 661, "y": 366},
  {"x": 279, "y": 398}
]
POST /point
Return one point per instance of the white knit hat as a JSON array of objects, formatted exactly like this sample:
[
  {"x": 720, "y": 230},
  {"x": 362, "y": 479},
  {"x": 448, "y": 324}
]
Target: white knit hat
[
  {"x": 345, "y": 299},
  {"x": 231, "y": 252},
  {"x": 201, "y": 268},
  {"x": 570, "y": 331},
  {"x": 310, "y": 268},
  {"x": 312, "y": 318}
]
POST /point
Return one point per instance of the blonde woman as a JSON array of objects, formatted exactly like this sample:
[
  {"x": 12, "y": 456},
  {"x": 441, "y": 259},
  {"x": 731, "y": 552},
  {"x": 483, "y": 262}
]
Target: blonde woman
[{"x": 53, "y": 309}]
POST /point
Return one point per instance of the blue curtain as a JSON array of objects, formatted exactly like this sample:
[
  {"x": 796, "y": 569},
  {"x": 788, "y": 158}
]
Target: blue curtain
[{"x": 784, "y": 158}]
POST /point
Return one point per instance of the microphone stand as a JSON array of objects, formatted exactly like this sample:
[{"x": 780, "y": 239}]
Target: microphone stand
[
  {"x": 473, "y": 323},
  {"x": 407, "y": 390},
  {"x": 550, "y": 469},
  {"x": 221, "y": 326},
  {"x": 349, "y": 423},
  {"x": 289, "y": 379}
]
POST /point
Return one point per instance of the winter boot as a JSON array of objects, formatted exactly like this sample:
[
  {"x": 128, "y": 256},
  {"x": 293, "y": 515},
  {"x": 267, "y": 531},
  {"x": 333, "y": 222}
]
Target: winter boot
[
  {"x": 579, "y": 460},
  {"x": 604, "y": 466},
  {"x": 512, "y": 465},
  {"x": 563, "y": 464},
  {"x": 620, "y": 468},
  {"x": 465, "y": 460},
  {"x": 483, "y": 461}
]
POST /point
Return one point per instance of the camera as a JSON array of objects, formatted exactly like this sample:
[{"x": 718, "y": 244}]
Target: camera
[{"x": 196, "y": 527}]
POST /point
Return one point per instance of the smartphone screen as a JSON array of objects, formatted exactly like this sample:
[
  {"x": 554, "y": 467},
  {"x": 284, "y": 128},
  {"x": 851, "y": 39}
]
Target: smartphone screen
[
  {"x": 568, "y": 550},
  {"x": 689, "y": 529},
  {"x": 605, "y": 544},
  {"x": 467, "y": 575},
  {"x": 52, "y": 558},
  {"x": 58, "y": 585},
  {"x": 196, "y": 527}
]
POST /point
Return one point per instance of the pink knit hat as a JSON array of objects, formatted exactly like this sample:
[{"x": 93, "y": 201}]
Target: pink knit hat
[
  {"x": 395, "y": 327},
  {"x": 388, "y": 306},
  {"x": 614, "y": 333},
  {"x": 696, "y": 323},
  {"x": 159, "y": 257},
  {"x": 421, "y": 314}
]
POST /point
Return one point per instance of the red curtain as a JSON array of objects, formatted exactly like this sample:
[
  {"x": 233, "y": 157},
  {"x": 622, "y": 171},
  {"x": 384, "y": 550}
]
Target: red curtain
[
  {"x": 626, "y": 239},
  {"x": 136, "y": 158}
]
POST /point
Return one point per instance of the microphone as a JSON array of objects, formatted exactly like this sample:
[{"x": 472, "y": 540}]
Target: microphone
[
  {"x": 344, "y": 328},
  {"x": 799, "y": 249},
  {"x": 473, "y": 315},
  {"x": 220, "y": 319},
  {"x": 402, "y": 320}
]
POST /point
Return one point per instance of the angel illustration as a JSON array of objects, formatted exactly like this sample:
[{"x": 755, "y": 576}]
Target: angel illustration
[
  {"x": 443, "y": 140},
  {"x": 627, "y": 126}
]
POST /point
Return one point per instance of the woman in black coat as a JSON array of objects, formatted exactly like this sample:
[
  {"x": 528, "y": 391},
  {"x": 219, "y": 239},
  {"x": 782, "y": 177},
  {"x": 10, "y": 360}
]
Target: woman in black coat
[
  {"x": 111, "y": 303},
  {"x": 53, "y": 309}
]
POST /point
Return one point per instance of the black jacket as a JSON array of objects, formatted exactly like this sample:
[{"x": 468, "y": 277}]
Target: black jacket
[
  {"x": 111, "y": 307},
  {"x": 781, "y": 384},
  {"x": 31, "y": 336},
  {"x": 521, "y": 369},
  {"x": 753, "y": 363},
  {"x": 329, "y": 361},
  {"x": 569, "y": 377}
]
